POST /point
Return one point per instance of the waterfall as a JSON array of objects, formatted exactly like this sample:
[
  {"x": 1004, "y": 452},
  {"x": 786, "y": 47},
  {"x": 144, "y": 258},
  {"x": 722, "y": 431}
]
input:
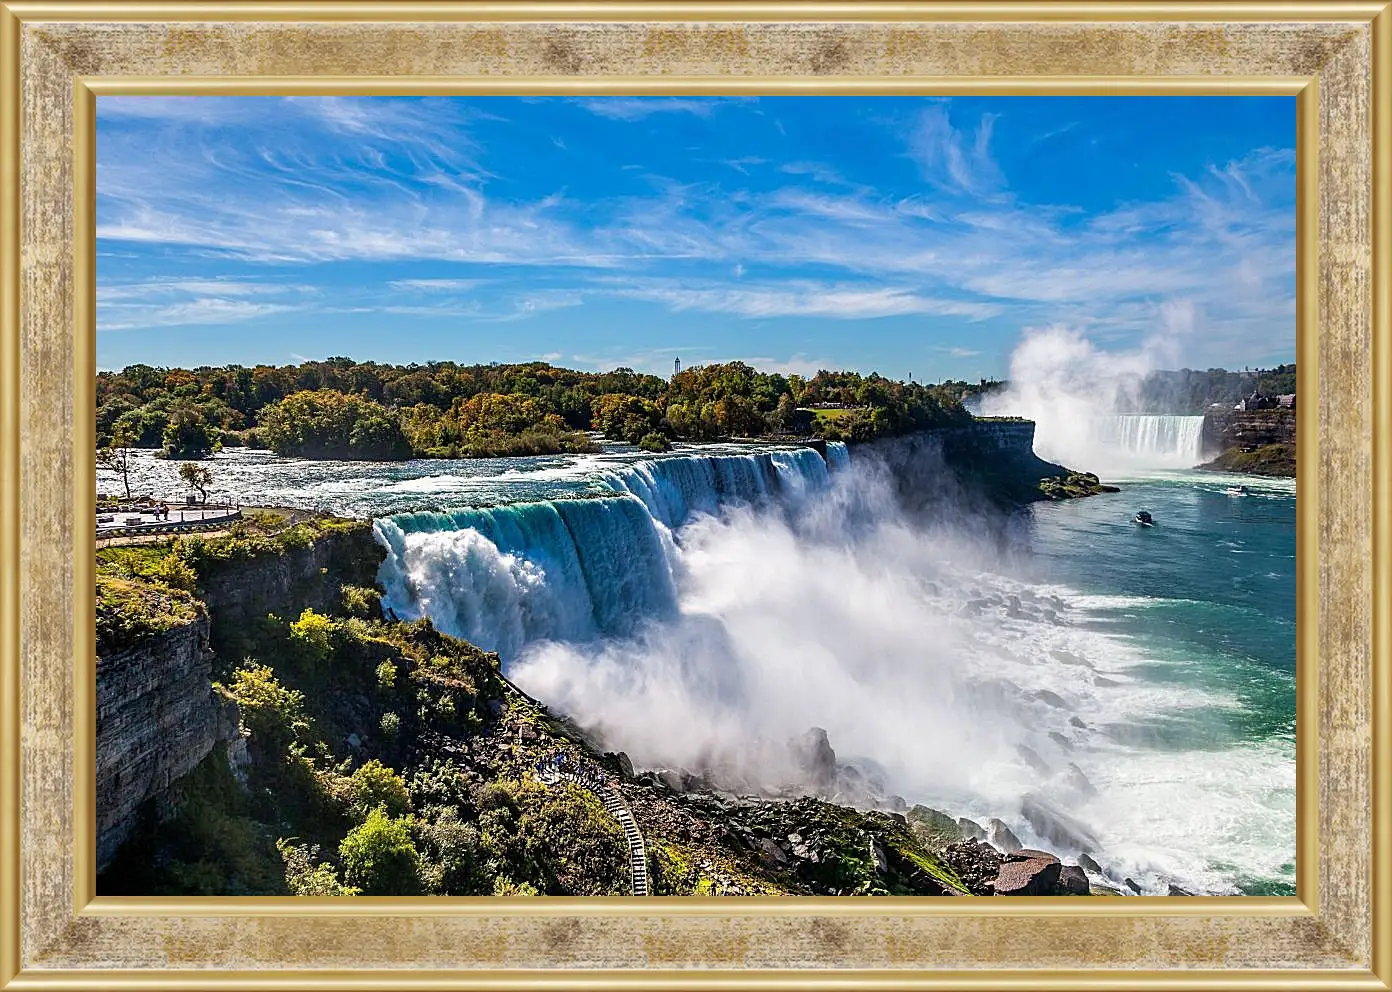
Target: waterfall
[
  {"x": 1159, "y": 441},
  {"x": 838, "y": 456},
  {"x": 574, "y": 569},
  {"x": 1110, "y": 442}
]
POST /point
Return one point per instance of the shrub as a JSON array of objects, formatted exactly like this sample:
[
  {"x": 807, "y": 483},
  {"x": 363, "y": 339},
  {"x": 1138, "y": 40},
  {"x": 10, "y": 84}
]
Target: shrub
[
  {"x": 454, "y": 863},
  {"x": 314, "y": 633},
  {"x": 375, "y": 785},
  {"x": 655, "y": 442},
  {"x": 305, "y": 877},
  {"x": 379, "y": 857},
  {"x": 504, "y": 886},
  {"x": 386, "y": 675},
  {"x": 361, "y": 601},
  {"x": 273, "y": 714},
  {"x": 390, "y": 725},
  {"x": 174, "y": 572}
]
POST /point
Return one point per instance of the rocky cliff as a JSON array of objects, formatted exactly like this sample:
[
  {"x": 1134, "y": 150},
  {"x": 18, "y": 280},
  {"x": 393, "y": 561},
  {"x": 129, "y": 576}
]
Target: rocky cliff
[
  {"x": 157, "y": 718},
  {"x": 241, "y": 592},
  {"x": 989, "y": 461},
  {"x": 1261, "y": 442}
]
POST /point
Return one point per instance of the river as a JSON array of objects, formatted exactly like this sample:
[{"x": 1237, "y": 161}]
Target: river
[{"x": 701, "y": 607}]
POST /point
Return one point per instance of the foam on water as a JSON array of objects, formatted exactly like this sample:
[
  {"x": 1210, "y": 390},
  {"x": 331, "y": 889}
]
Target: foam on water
[{"x": 715, "y": 604}]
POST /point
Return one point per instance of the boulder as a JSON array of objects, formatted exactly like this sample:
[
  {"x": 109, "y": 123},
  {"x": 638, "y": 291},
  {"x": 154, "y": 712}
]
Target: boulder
[
  {"x": 1175, "y": 890},
  {"x": 1131, "y": 885},
  {"x": 815, "y": 756},
  {"x": 1079, "y": 782},
  {"x": 1030, "y": 854},
  {"x": 975, "y": 863},
  {"x": 1104, "y": 682},
  {"x": 971, "y": 830},
  {"x": 1060, "y": 740},
  {"x": 1073, "y": 721},
  {"x": 1085, "y": 861},
  {"x": 1055, "y": 826},
  {"x": 1001, "y": 837},
  {"x": 1052, "y": 698},
  {"x": 1033, "y": 759},
  {"x": 933, "y": 828},
  {"x": 771, "y": 853},
  {"x": 1028, "y": 878},
  {"x": 1073, "y": 881},
  {"x": 897, "y": 804}
]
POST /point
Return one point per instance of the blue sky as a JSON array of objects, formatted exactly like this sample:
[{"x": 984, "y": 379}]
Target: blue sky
[{"x": 903, "y": 235}]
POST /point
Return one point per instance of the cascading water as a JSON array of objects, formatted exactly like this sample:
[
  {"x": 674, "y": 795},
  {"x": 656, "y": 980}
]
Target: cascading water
[
  {"x": 573, "y": 569},
  {"x": 697, "y": 610},
  {"x": 1111, "y": 442},
  {"x": 1158, "y": 440}
]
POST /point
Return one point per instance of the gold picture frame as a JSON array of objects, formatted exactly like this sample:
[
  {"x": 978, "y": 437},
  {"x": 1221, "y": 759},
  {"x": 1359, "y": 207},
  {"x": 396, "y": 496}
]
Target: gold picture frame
[{"x": 1334, "y": 58}]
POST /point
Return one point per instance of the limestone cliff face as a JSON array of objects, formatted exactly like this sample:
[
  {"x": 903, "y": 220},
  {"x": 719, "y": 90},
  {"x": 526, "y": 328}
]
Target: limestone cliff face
[
  {"x": 241, "y": 593},
  {"x": 157, "y": 718},
  {"x": 991, "y": 460},
  {"x": 1247, "y": 429}
]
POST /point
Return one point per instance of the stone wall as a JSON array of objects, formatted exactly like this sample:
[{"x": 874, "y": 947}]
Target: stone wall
[{"x": 157, "y": 718}]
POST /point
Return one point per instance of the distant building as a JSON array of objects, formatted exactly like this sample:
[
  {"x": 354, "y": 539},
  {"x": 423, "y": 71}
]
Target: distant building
[
  {"x": 1257, "y": 401},
  {"x": 1286, "y": 401}
]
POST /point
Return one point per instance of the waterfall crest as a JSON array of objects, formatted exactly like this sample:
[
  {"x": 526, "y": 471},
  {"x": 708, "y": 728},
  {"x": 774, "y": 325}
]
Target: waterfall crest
[{"x": 574, "y": 569}]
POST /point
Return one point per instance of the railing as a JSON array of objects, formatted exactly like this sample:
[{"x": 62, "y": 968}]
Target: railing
[
  {"x": 170, "y": 526},
  {"x": 558, "y": 768}
]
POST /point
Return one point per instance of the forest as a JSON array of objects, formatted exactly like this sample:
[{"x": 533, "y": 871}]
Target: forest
[{"x": 339, "y": 408}]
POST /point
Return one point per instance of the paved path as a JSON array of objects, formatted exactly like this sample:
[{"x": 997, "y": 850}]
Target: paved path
[{"x": 558, "y": 769}]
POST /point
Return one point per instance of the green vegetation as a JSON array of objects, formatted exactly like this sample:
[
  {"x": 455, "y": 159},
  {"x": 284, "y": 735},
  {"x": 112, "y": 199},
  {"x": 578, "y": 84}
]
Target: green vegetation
[
  {"x": 1270, "y": 459},
  {"x": 379, "y": 857},
  {"x": 128, "y": 611},
  {"x": 1073, "y": 485},
  {"x": 344, "y": 409},
  {"x": 198, "y": 477}
]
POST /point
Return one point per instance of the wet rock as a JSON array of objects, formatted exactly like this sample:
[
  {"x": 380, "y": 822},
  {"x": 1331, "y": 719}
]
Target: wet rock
[
  {"x": 1028, "y": 878},
  {"x": 971, "y": 830},
  {"x": 878, "y": 851},
  {"x": 671, "y": 779},
  {"x": 1087, "y": 862},
  {"x": 1079, "y": 782},
  {"x": 897, "y": 804},
  {"x": 1060, "y": 740},
  {"x": 975, "y": 863},
  {"x": 1002, "y": 838},
  {"x": 1098, "y": 889},
  {"x": 1175, "y": 890},
  {"x": 1030, "y": 854},
  {"x": 933, "y": 828},
  {"x": 771, "y": 853},
  {"x": 1073, "y": 881},
  {"x": 815, "y": 755},
  {"x": 1131, "y": 885},
  {"x": 354, "y": 740},
  {"x": 1033, "y": 759},
  {"x": 625, "y": 766},
  {"x": 1056, "y": 826},
  {"x": 1052, "y": 698},
  {"x": 1069, "y": 658},
  {"x": 1073, "y": 721},
  {"x": 1104, "y": 682}
]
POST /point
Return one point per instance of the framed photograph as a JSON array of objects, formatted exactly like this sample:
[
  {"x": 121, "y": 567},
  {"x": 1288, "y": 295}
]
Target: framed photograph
[{"x": 696, "y": 495}]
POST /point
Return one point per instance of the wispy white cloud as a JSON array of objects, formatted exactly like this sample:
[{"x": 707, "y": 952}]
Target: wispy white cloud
[{"x": 623, "y": 108}]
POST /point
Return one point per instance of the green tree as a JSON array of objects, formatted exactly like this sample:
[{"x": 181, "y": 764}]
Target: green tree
[
  {"x": 198, "y": 477},
  {"x": 188, "y": 434},
  {"x": 380, "y": 858},
  {"x": 375, "y": 785},
  {"x": 116, "y": 456}
]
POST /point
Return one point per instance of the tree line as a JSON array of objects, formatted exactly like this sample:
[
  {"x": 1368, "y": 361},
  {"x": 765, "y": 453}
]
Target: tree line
[{"x": 339, "y": 408}]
